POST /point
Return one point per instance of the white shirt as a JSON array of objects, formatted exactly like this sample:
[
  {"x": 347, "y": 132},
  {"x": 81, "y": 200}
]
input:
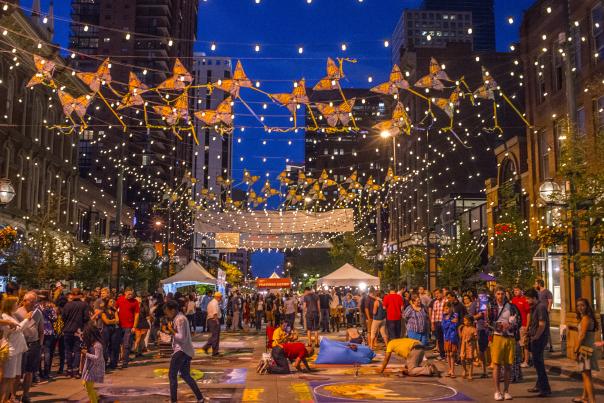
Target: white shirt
[
  {"x": 182, "y": 339},
  {"x": 214, "y": 309}
]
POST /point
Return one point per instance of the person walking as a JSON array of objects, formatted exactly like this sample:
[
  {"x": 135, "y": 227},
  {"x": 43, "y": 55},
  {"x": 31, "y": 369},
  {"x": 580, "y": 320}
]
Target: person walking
[
  {"x": 76, "y": 314},
  {"x": 537, "y": 333},
  {"x": 180, "y": 362},
  {"x": 33, "y": 330},
  {"x": 94, "y": 362},
  {"x": 128, "y": 309},
  {"x": 585, "y": 353},
  {"x": 505, "y": 320},
  {"x": 214, "y": 316},
  {"x": 393, "y": 303}
]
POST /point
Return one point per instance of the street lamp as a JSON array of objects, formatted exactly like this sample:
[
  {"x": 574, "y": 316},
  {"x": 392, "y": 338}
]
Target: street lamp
[
  {"x": 548, "y": 191},
  {"x": 7, "y": 191}
]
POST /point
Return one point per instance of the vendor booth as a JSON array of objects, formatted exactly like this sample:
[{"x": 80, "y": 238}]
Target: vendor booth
[
  {"x": 192, "y": 274},
  {"x": 349, "y": 276}
]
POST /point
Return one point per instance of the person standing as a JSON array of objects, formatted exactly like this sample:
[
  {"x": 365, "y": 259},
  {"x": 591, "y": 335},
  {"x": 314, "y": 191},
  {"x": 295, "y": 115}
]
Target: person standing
[
  {"x": 290, "y": 310},
  {"x": 33, "y": 330},
  {"x": 547, "y": 298},
  {"x": 449, "y": 324},
  {"x": 479, "y": 310},
  {"x": 378, "y": 324},
  {"x": 520, "y": 302},
  {"x": 180, "y": 362},
  {"x": 367, "y": 309},
  {"x": 17, "y": 346},
  {"x": 259, "y": 307},
  {"x": 393, "y": 303},
  {"x": 237, "y": 307},
  {"x": 94, "y": 364},
  {"x": 324, "y": 300},
  {"x": 142, "y": 327},
  {"x": 436, "y": 313},
  {"x": 537, "y": 333},
  {"x": 214, "y": 316},
  {"x": 350, "y": 307},
  {"x": 205, "y": 300},
  {"x": 334, "y": 316},
  {"x": 190, "y": 311},
  {"x": 311, "y": 306},
  {"x": 585, "y": 353},
  {"x": 76, "y": 314},
  {"x": 504, "y": 320},
  {"x": 49, "y": 312},
  {"x": 416, "y": 321},
  {"x": 111, "y": 333},
  {"x": 128, "y": 309}
]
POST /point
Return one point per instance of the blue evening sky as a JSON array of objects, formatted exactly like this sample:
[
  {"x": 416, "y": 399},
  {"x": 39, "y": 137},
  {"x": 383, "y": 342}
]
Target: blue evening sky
[{"x": 281, "y": 27}]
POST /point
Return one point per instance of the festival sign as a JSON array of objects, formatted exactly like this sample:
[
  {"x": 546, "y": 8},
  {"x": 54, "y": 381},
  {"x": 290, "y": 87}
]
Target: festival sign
[{"x": 273, "y": 283}]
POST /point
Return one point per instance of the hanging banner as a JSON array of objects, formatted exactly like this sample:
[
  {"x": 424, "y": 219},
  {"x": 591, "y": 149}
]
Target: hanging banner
[{"x": 273, "y": 283}]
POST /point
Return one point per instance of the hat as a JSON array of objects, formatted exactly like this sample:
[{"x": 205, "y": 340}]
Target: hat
[{"x": 217, "y": 294}]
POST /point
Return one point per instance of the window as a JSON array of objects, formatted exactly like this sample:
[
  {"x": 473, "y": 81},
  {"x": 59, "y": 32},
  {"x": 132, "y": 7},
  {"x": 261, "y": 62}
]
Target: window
[
  {"x": 543, "y": 150},
  {"x": 558, "y": 69},
  {"x": 581, "y": 121},
  {"x": 597, "y": 30},
  {"x": 559, "y": 136}
]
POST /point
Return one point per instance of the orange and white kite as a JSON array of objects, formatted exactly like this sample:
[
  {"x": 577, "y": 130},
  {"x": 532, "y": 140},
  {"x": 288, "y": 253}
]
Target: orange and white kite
[
  {"x": 135, "y": 89},
  {"x": 400, "y": 122},
  {"x": 72, "y": 104},
  {"x": 395, "y": 83},
  {"x": 233, "y": 85},
  {"x": 180, "y": 79},
  {"x": 172, "y": 114},
  {"x": 297, "y": 97},
  {"x": 44, "y": 70},
  {"x": 337, "y": 114},
  {"x": 448, "y": 105},
  {"x": 94, "y": 80},
  {"x": 435, "y": 78},
  {"x": 334, "y": 74},
  {"x": 488, "y": 87},
  {"x": 222, "y": 114}
]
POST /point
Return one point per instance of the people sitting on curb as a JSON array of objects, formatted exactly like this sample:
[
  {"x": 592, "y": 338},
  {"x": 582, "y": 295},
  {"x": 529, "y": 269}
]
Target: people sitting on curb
[{"x": 413, "y": 352}]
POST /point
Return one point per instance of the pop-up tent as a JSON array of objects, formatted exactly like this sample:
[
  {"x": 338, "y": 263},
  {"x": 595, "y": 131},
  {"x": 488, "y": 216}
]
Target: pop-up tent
[
  {"x": 350, "y": 276},
  {"x": 192, "y": 274}
]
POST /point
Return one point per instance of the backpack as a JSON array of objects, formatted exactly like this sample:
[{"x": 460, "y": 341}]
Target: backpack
[{"x": 493, "y": 316}]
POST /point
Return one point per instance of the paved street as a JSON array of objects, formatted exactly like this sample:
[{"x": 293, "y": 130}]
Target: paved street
[{"x": 232, "y": 378}]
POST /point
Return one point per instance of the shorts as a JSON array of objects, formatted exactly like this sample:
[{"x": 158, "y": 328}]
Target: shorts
[
  {"x": 503, "y": 350},
  {"x": 483, "y": 340},
  {"x": 31, "y": 358},
  {"x": 312, "y": 321},
  {"x": 450, "y": 347},
  {"x": 524, "y": 339}
]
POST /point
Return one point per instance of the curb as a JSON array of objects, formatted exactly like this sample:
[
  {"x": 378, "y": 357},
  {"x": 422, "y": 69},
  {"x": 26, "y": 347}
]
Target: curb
[{"x": 558, "y": 370}]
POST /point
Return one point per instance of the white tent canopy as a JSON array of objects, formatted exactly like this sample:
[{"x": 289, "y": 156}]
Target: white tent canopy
[
  {"x": 350, "y": 276},
  {"x": 192, "y": 274},
  {"x": 274, "y": 275}
]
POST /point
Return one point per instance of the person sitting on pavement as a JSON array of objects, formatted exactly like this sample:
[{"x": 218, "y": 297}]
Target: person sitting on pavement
[
  {"x": 294, "y": 352},
  {"x": 413, "y": 352}
]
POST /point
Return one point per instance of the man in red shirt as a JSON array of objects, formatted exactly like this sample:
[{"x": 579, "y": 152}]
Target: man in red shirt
[
  {"x": 393, "y": 303},
  {"x": 520, "y": 301},
  {"x": 294, "y": 352},
  {"x": 128, "y": 309}
]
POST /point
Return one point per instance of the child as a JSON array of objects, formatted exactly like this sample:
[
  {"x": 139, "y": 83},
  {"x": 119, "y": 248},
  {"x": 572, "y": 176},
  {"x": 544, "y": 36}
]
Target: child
[
  {"x": 469, "y": 337},
  {"x": 94, "y": 366},
  {"x": 449, "y": 325}
]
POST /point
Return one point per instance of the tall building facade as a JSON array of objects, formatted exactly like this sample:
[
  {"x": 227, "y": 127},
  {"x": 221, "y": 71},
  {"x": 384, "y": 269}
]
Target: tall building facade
[
  {"x": 212, "y": 156},
  {"x": 434, "y": 29},
  {"x": 483, "y": 15},
  {"x": 145, "y": 37}
]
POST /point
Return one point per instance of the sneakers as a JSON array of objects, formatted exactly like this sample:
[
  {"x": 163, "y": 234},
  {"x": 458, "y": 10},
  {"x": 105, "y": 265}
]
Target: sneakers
[
  {"x": 524, "y": 365},
  {"x": 498, "y": 396},
  {"x": 507, "y": 396}
]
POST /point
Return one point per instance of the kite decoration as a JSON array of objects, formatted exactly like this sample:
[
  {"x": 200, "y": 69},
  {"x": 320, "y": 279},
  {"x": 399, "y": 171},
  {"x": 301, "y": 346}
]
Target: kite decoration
[
  {"x": 334, "y": 74},
  {"x": 268, "y": 190},
  {"x": 292, "y": 101},
  {"x": 448, "y": 105},
  {"x": 172, "y": 114},
  {"x": 433, "y": 80},
  {"x": 248, "y": 178},
  {"x": 337, "y": 114},
  {"x": 96, "y": 79},
  {"x": 180, "y": 79},
  {"x": 135, "y": 91},
  {"x": 222, "y": 114},
  {"x": 400, "y": 122},
  {"x": 395, "y": 83},
  {"x": 44, "y": 71},
  {"x": 325, "y": 181},
  {"x": 78, "y": 105},
  {"x": 254, "y": 199},
  {"x": 283, "y": 179},
  {"x": 233, "y": 85}
]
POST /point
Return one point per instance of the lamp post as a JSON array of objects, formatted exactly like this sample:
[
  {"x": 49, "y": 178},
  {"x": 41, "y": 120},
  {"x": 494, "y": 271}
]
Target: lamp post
[
  {"x": 385, "y": 134},
  {"x": 7, "y": 191}
]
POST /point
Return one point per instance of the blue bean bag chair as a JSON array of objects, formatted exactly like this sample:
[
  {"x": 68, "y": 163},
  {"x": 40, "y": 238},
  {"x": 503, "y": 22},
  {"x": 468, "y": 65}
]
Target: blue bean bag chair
[{"x": 336, "y": 352}]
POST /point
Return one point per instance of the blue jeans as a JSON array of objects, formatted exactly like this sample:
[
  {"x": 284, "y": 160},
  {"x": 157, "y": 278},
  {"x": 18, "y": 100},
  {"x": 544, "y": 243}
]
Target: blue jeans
[
  {"x": 181, "y": 362},
  {"x": 48, "y": 349},
  {"x": 72, "y": 351},
  {"x": 421, "y": 337},
  {"x": 112, "y": 338},
  {"x": 394, "y": 329},
  {"x": 537, "y": 347}
]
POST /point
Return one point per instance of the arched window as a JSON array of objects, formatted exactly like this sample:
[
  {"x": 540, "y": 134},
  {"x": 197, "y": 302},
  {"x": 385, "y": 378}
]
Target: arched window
[{"x": 508, "y": 172}]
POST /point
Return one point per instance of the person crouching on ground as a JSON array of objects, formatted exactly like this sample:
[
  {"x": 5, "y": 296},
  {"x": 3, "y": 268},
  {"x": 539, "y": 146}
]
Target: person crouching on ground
[
  {"x": 413, "y": 352},
  {"x": 183, "y": 352},
  {"x": 294, "y": 352}
]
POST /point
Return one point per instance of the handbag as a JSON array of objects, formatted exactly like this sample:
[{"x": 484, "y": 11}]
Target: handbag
[{"x": 586, "y": 352}]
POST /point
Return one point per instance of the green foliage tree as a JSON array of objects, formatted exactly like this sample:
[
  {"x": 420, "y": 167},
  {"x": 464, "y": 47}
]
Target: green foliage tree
[
  {"x": 359, "y": 253},
  {"x": 93, "y": 265},
  {"x": 460, "y": 261},
  {"x": 391, "y": 272},
  {"x": 137, "y": 274},
  {"x": 413, "y": 266}
]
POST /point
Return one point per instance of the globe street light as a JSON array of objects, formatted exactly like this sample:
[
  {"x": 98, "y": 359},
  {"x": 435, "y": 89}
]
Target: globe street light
[
  {"x": 548, "y": 191},
  {"x": 7, "y": 191}
]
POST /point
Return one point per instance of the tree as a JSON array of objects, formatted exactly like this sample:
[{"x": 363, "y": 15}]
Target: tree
[
  {"x": 359, "y": 253},
  {"x": 390, "y": 272},
  {"x": 232, "y": 273},
  {"x": 460, "y": 261},
  {"x": 413, "y": 266},
  {"x": 93, "y": 265},
  {"x": 137, "y": 274},
  {"x": 514, "y": 249}
]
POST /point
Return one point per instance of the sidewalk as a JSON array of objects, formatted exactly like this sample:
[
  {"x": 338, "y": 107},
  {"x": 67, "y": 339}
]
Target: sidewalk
[{"x": 557, "y": 363}]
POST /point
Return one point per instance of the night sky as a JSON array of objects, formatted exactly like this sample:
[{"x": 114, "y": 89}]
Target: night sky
[{"x": 280, "y": 27}]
